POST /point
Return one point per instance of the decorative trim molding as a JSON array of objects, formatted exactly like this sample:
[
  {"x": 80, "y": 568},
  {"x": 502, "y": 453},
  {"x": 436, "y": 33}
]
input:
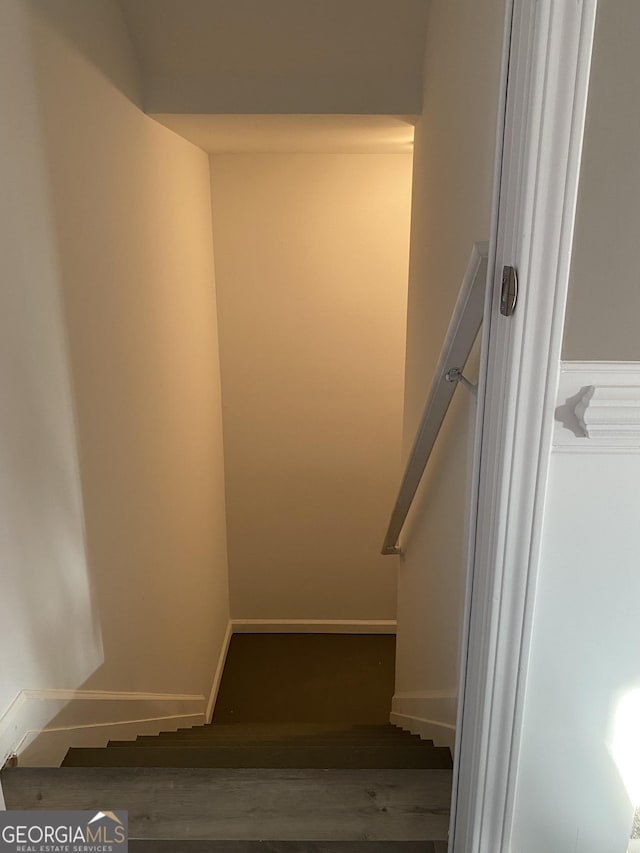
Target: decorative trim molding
[
  {"x": 40, "y": 725},
  {"x": 598, "y": 407},
  {"x": 611, "y": 413},
  {"x": 217, "y": 678},
  {"x": 430, "y": 714},
  {"x": 313, "y": 626}
]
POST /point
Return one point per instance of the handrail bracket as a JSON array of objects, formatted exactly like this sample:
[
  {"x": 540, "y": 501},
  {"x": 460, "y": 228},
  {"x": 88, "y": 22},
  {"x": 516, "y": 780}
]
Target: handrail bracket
[
  {"x": 454, "y": 374},
  {"x": 392, "y": 550}
]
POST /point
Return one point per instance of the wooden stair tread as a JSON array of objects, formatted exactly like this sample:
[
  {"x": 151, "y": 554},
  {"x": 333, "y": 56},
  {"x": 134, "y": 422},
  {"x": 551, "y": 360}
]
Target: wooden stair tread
[
  {"x": 202, "y": 738},
  {"x": 260, "y": 729},
  {"x": 159, "y": 846},
  {"x": 280, "y": 735},
  {"x": 219, "y": 737},
  {"x": 293, "y": 730},
  {"x": 297, "y": 805},
  {"x": 198, "y": 737},
  {"x": 282, "y": 756}
]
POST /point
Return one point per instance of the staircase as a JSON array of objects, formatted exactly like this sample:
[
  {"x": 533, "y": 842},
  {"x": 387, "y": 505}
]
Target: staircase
[
  {"x": 245, "y": 788},
  {"x": 299, "y": 759}
]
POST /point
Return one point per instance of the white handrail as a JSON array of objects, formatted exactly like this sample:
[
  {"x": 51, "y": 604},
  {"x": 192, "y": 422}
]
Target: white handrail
[{"x": 461, "y": 334}]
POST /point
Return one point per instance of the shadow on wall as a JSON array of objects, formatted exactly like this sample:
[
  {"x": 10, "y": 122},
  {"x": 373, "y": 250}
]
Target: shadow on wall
[
  {"x": 103, "y": 54},
  {"x": 51, "y": 630},
  {"x": 50, "y": 721},
  {"x": 113, "y": 369}
]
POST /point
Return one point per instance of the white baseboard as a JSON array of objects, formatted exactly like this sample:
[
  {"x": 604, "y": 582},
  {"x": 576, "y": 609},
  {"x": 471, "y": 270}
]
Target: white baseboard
[
  {"x": 430, "y": 714},
  {"x": 40, "y": 725},
  {"x": 313, "y": 626},
  {"x": 217, "y": 678}
]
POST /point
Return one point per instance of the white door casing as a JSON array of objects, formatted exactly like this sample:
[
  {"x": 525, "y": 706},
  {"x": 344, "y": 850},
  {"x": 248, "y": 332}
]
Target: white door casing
[{"x": 547, "y": 56}]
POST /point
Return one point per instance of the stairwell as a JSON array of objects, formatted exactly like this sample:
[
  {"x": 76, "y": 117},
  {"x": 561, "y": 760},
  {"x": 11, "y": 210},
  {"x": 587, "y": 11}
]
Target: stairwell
[{"x": 275, "y": 787}]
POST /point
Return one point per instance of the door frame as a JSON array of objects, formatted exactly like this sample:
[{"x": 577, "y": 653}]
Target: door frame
[{"x": 546, "y": 62}]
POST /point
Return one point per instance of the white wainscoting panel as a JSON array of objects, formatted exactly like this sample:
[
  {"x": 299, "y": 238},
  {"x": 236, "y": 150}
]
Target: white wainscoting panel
[{"x": 583, "y": 659}]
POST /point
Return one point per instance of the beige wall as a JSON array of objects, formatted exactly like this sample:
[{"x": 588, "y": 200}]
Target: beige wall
[
  {"x": 604, "y": 291},
  {"x": 44, "y": 575},
  {"x": 452, "y": 186},
  {"x": 311, "y": 266},
  {"x": 115, "y": 579}
]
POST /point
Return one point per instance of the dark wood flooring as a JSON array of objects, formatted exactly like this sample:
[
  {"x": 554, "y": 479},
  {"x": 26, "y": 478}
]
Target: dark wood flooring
[
  {"x": 248, "y": 804},
  {"x": 286, "y": 847},
  {"x": 314, "y": 678}
]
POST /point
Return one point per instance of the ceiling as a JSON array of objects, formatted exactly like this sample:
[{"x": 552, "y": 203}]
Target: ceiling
[
  {"x": 279, "y": 56},
  {"x": 220, "y": 134}
]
